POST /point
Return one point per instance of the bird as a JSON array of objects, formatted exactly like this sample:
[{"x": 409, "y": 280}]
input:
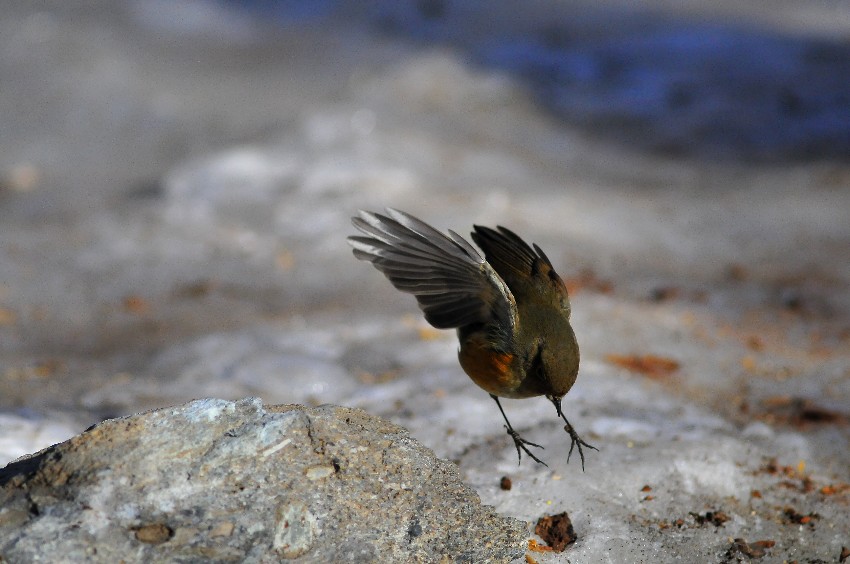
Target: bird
[{"x": 509, "y": 307}]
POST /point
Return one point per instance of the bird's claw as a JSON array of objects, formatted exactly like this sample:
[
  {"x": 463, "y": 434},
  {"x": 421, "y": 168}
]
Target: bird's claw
[
  {"x": 521, "y": 447},
  {"x": 576, "y": 440}
]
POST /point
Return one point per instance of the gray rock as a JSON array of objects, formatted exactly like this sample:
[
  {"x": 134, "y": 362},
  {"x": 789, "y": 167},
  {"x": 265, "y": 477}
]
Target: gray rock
[{"x": 215, "y": 480}]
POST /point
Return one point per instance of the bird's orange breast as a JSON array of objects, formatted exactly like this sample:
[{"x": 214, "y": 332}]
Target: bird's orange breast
[{"x": 491, "y": 370}]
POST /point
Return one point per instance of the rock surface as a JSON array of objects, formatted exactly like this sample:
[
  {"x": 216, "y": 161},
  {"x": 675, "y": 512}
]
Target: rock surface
[{"x": 234, "y": 481}]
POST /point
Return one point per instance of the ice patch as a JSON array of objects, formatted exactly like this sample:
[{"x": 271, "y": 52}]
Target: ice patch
[
  {"x": 631, "y": 429},
  {"x": 711, "y": 475},
  {"x": 26, "y": 435},
  {"x": 206, "y": 410}
]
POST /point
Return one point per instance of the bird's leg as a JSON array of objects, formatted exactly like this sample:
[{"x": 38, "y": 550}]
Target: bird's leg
[
  {"x": 574, "y": 438},
  {"x": 519, "y": 442}
]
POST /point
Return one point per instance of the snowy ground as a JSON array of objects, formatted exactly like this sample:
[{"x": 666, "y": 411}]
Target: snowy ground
[{"x": 176, "y": 182}]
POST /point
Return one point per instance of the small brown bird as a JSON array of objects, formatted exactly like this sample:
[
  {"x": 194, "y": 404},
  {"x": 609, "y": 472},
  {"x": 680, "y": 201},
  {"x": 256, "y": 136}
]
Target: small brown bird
[{"x": 511, "y": 311}]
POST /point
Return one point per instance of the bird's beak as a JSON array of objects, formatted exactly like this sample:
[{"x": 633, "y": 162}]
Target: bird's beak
[{"x": 556, "y": 401}]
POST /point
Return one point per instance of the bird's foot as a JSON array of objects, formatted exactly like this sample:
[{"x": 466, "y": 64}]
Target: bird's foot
[
  {"x": 521, "y": 447},
  {"x": 576, "y": 441}
]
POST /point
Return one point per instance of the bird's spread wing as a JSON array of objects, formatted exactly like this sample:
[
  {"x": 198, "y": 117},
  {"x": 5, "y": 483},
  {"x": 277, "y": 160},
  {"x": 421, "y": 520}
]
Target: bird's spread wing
[
  {"x": 527, "y": 271},
  {"x": 450, "y": 279}
]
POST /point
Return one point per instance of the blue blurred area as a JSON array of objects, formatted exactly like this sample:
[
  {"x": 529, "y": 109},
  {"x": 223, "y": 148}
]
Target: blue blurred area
[
  {"x": 706, "y": 89},
  {"x": 286, "y": 11},
  {"x": 700, "y": 88}
]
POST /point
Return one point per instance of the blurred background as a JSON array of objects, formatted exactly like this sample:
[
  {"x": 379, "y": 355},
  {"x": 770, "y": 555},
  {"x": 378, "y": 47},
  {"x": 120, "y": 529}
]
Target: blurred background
[{"x": 177, "y": 178}]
